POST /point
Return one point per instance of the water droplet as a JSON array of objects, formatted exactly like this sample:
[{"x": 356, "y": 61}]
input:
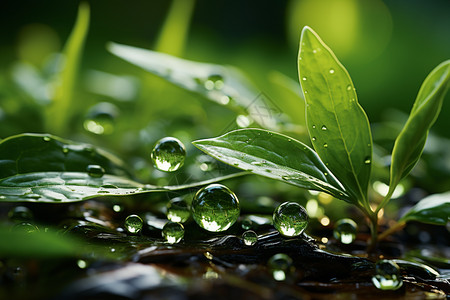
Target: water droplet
[
  {"x": 215, "y": 208},
  {"x": 331, "y": 71},
  {"x": 324, "y": 127},
  {"x": 314, "y": 126},
  {"x": 314, "y": 51},
  {"x": 387, "y": 275},
  {"x": 168, "y": 154},
  {"x": 208, "y": 255},
  {"x": 250, "y": 237},
  {"x": 345, "y": 230},
  {"x": 349, "y": 87},
  {"x": 224, "y": 100},
  {"x": 243, "y": 121},
  {"x": 133, "y": 224},
  {"x": 214, "y": 82},
  {"x": 304, "y": 78},
  {"x": 258, "y": 163},
  {"x": 117, "y": 208},
  {"x": 82, "y": 264},
  {"x": 178, "y": 210},
  {"x": 65, "y": 149},
  {"x": 325, "y": 145},
  {"x": 173, "y": 232},
  {"x": 101, "y": 118},
  {"x": 313, "y": 138},
  {"x": 325, "y": 173},
  {"x": 290, "y": 219},
  {"x": 95, "y": 171},
  {"x": 25, "y": 227},
  {"x": 20, "y": 213},
  {"x": 47, "y": 139},
  {"x": 280, "y": 265},
  {"x": 109, "y": 186},
  {"x": 367, "y": 160}
]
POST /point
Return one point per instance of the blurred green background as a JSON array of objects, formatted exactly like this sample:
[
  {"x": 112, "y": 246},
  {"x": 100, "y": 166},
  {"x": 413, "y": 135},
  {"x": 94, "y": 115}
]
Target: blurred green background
[{"x": 388, "y": 47}]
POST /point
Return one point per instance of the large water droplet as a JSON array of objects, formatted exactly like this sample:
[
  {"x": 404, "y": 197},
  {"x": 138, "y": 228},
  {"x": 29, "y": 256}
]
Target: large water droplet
[
  {"x": 168, "y": 154},
  {"x": 178, "y": 210},
  {"x": 215, "y": 208},
  {"x": 387, "y": 275},
  {"x": 214, "y": 82},
  {"x": 345, "y": 230},
  {"x": 20, "y": 214},
  {"x": 173, "y": 232},
  {"x": 133, "y": 224},
  {"x": 95, "y": 171},
  {"x": 249, "y": 237},
  {"x": 290, "y": 219},
  {"x": 324, "y": 127},
  {"x": 101, "y": 118},
  {"x": 280, "y": 265}
]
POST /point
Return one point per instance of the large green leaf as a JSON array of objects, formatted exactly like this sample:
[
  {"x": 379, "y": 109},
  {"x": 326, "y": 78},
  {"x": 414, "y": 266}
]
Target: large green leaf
[
  {"x": 45, "y": 168},
  {"x": 275, "y": 156},
  {"x": 410, "y": 142},
  {"x": 224, "y": 85},
  {"x": 338, "y": 126},
  {"x": 60, "y": 110},
  {"x": 434, "y": 209}
]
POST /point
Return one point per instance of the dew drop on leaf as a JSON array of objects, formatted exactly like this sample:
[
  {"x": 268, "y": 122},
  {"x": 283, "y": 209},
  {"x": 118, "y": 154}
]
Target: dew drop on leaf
[
  {"x": 367, "y": 160},
  {"x": 280, "y": 265},
  {"x": 95, "y": 171},
  {"x": 304, "y": 78},
  {"x": 313, "y": 138},
  {"x": 345, "y": 230},
  {"x": 173, "y": 232},
  {"x": 387, "y": 275},
  {"x": 215, "y": 208},
  {"x": 65, "y": 150},
  {"x": 349, "y": 87},
  {"x": 47, "y": 139},
  {"x": 25, "y": 227},
  {"x": 214, "y": 82},
  {"x": 325, "y": 145},
  {"x": 168, "y": 154},
  {"x": 178, "y": 210},
  {"x": 331, "y": 71},
  {"x": 314, "y": 126},
  {"x": 133, "y": 224},
  {"x": 101, "y": 118},
  {"x": 249, "y": 237},
  {"x": 290, "y": 219},
  {"x": 324, "y": 127}
]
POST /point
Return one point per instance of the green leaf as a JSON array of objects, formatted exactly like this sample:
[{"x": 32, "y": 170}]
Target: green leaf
[
  {"x": 27, "y": 153},
  {"x": 60, "y": 110},
  {"x": 273, "y": 155},
  {"x": 38, "y": 244},
  {"x": 338, "y": 126},
  {"x": 224, "y": 85},
  {"x": 434, "y": 209},
  {"x": 45, "y": 168},
  {"x": 410, "y": 142}
]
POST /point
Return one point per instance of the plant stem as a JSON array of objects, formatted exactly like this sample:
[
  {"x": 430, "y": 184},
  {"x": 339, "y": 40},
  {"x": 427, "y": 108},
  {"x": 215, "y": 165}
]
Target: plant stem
[
  {"x": 398, "y": 226},
  {"x": 385, "y": 199},
  {"x": 373, "y": 231}
]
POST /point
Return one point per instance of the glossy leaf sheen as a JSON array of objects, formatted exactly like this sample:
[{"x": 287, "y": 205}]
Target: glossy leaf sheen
[
  {"x": 434, "y": 209},
  {"x": 338, "y": 126},
  {"x": 273, "y": 155},
  {"x": 191, "y": 76},
  {"x": 410, "y": 142}
]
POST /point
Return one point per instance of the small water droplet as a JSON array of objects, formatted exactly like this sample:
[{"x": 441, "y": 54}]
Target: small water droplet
[
  {"x": 331, "y": 71},
  {"x": 168, "y": 154},
  {"x": 117, "y": 208},
  {"x": 387, "y": 275},
  {"x": 178, "y": 210},
  {"x": 133, "y": 224},
  {"x": 82, "y": 264},
  {"x": 95, "y": 171},
  {"x": 349, "y": 87},
  {"x": 314, "y": 127},
  {"x": 101, "y": 118},
  {"x": 313, "y": 138},
  {"x": 290, "y": 219},
  {"x": 280, "y": 265},
  {"x": 109, "y": 186},
  {"x": 215, "y": 208},
  {"x": 367, "y": 160},
  {"x": 20, "y": 213},
  {"x": 208, "y": 255},
  {"x": 65, "y": 149},
  {"x": 324, "y": 127},
  {"x": 214, "y": 82},
  {"x": 304, "y": 78},
  {"x": 243, "y": 121},
  {"x": 257, "y": 163},
  {"x": 325, "y": 145},
  {"x": 345, "y": 230},
  {"x": 47, "y": 139},
  {"x": 305, "y": 91},
  {"x": 325, "y": 173},
  {"x": 25, "y": 227},
  {"x": 173, "y": 232},
  {"x": 249, "y": 237},
  {"x": 314, "y": 51}
]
